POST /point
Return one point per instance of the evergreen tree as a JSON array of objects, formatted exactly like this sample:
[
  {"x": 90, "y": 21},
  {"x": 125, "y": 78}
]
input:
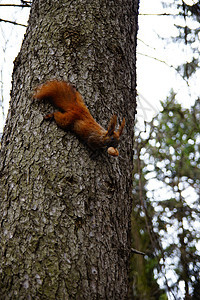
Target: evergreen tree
[
  {"x": 187, "y": 23},
  {"x": 171, "y": 174}
]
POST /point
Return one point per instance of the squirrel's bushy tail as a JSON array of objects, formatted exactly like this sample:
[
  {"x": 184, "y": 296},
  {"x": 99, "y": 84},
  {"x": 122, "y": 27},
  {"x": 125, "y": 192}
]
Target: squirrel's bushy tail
[{"x": 59, "y": 93}]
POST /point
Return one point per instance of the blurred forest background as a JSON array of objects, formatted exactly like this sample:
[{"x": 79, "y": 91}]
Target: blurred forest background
[{"x": 166, "y": 179}]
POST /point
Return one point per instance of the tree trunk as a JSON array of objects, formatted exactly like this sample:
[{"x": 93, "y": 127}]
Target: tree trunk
[{"x": 65, "y": 212}]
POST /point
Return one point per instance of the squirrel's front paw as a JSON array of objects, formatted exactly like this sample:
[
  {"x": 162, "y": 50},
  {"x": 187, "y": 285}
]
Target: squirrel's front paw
[{"x": 48, "y": 117}]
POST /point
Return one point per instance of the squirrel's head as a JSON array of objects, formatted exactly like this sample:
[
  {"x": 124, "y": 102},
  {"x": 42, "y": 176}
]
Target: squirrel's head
[{"x": 112, "y": 136}]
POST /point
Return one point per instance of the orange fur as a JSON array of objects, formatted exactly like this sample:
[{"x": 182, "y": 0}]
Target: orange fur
[{"x": 75, "y": 116}]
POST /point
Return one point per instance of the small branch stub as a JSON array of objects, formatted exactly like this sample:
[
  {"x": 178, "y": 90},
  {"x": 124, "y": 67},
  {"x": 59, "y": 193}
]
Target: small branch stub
[{"x": 137, "y": 252}]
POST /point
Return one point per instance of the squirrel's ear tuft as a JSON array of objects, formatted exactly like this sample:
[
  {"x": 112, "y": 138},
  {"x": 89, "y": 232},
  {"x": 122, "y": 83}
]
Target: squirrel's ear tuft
[
  {"x": 120, "y": 130},
  {"x": 112, "y": 124}
]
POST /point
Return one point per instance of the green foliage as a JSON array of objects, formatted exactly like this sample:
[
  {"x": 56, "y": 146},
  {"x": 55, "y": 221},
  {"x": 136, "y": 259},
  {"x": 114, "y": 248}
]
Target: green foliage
[
  {"x": 144, "y": 284},
  {"x": 175, "y": 144},
  {"x": 187, "y": 24},
  {"x": 189, "y": 68},
  {"x": 166, "y": 199}
]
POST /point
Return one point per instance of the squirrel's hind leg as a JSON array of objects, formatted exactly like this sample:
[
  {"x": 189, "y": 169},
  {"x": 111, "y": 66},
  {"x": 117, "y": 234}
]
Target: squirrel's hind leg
[{"x": 63, "y": 120}]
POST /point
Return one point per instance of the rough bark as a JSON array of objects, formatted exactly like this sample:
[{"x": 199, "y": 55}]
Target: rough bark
[{"x": 65, "y": 212}]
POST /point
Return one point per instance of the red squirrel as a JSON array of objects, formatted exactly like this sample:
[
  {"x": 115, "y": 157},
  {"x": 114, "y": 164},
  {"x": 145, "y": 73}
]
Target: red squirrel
[{"x": 75, "y": 116}]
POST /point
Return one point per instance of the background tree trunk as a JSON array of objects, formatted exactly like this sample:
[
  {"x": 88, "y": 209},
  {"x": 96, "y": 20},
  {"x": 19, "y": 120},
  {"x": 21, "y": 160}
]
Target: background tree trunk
[{"x": 65, "y": 213}]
